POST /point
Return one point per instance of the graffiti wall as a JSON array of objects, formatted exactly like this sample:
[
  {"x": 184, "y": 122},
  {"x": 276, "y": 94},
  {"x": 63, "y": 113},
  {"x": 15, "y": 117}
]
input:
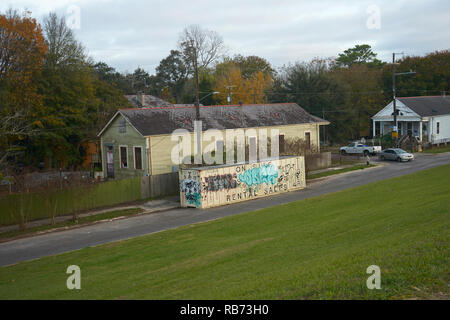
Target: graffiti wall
[{"x": 219, "y": 185}]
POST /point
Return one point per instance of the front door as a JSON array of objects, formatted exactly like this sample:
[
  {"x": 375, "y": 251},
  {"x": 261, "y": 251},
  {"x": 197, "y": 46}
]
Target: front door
[{"x": 110, "y": 161}]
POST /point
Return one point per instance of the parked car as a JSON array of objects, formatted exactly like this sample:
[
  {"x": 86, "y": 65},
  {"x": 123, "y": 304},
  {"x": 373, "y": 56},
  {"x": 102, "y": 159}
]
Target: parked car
[
  {"x": 360, "y": 148},
  {"x": 396, "y": 154}
]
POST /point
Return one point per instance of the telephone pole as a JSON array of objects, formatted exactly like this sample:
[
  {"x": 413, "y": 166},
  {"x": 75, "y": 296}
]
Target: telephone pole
[
  {"x": 229, "y": 93},
  {"x": 395, "y": 113}
]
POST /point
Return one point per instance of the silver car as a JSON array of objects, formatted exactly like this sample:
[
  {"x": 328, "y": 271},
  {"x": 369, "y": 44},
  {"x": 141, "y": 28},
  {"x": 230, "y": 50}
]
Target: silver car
[{"x": 396, "y": 154}]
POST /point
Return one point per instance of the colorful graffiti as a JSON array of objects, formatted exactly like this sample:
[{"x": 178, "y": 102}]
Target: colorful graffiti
[
  {"x": 266, "y": 173},
  {"x": 220, "y": 182},
  {"x": 206, "y": 187},
  {"x": 191, "y": 190}
]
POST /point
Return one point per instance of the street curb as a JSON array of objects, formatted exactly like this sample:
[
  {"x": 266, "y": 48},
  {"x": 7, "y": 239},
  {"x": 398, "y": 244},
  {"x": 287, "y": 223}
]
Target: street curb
[
  {"x": 61, "y": 229},
  {"x": 378, "y": 165}
]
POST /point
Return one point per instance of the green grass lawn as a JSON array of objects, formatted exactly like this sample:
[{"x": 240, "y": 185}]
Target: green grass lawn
[
  {"x": 437, "y": 150},
  {"x": 317, "y": 248}
]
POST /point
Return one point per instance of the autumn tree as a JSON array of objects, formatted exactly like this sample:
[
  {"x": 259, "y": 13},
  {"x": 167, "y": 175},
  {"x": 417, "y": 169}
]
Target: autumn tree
[
  {"x": 365, "y": 97},
  {"x": 431, "y": 77},
  {"x": 241, "y": 90},
  {"x": 251, "y": 65},
  {"x": 22, "y": 52},
  {"x": 313, "y": 87},
  {"x": 245, "y": 79}
]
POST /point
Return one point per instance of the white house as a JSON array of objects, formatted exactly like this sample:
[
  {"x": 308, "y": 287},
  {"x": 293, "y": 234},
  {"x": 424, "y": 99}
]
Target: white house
[{"x": 427, "y": 118}]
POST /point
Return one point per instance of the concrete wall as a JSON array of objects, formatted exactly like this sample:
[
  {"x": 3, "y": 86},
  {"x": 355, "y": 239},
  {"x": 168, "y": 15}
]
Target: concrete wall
[
  {"x": 161, "y": 146},
  {"x": 317, "y": 161},
  {"x": 219, "y": 185},
  {"x": 130, "y": 138}
]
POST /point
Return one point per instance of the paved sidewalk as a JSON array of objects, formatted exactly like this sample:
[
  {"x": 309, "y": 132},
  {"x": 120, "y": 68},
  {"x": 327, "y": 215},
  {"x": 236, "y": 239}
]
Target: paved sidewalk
[{"x": 148, "y": 207}]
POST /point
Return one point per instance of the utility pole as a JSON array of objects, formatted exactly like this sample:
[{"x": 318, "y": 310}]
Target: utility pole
[
  {"x": 395, "y": 113},
  {"x": 323, "y": 117},
  {"x": 197, "y": 98},
  {"x": 394, "y": 130},
  {"x": 229, "y": 93}
]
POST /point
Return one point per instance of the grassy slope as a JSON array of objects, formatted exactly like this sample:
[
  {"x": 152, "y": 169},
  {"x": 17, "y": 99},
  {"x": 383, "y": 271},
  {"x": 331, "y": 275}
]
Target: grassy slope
[{"x": 314, "y": 248}]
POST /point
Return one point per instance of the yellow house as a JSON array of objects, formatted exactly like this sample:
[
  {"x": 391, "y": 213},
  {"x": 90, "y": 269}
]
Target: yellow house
[{"x": 140, "y": 141}]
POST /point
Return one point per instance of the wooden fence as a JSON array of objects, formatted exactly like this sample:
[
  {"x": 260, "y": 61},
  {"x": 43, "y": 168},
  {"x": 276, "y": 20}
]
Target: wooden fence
[{"x": 159, "y": 185}]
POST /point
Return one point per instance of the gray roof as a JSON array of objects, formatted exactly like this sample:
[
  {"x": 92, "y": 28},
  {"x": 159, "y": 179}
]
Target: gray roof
[
  {"x": 164, "y": 120},
  {"x": 428, "y": 106}
]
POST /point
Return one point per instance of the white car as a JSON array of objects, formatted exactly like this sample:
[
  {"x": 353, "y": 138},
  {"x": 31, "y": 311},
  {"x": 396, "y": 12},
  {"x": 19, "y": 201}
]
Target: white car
[
  {"x": 396, "y": 154},
  {"x": 359, "y": 148}
]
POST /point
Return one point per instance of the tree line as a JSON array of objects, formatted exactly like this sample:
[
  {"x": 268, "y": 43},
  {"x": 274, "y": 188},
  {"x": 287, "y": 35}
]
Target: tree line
[{"x": 53, "y": 97}]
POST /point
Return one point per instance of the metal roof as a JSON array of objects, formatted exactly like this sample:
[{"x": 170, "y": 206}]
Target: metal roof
[
  {"x": 428, "y": 106},
  {"x": 164, "y": 120}
]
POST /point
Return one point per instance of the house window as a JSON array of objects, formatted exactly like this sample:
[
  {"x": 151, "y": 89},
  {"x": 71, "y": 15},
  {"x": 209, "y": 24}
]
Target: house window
[
  {"x": 281, "y": 143},
  {"x": 138, "y": 158},
  {"x": 437, "y": 127},
  {"x": 123, "y": 156},
  {"x": 308, "y": 140},
  {"x": 122, "y": 126}
]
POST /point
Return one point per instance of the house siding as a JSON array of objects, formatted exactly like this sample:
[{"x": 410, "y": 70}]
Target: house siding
[
  {"x": 131, "y": 138},
  {"x": 161, "y": 146},
  {"x": 444, "y": 128}
]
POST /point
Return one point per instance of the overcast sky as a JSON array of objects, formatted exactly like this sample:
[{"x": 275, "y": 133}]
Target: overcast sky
[{"x": 128, "y": 34}]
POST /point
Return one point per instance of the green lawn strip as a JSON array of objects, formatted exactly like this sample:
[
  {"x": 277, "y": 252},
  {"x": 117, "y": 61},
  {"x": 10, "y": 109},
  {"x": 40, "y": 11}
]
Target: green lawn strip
[
  {"x": 337, "y": 162},
  {"x": 437, "y": 150},
  {"x": 333, "y": 172},
  {"x": 81, "y": 221},
  {"x": 316, "y": 248}
]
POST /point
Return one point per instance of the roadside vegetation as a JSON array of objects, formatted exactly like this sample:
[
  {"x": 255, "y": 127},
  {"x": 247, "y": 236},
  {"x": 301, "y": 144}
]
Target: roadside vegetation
[
  {"x": 317, "y": 248},
  {"x": 4, "y": 236},
  {"x": 437, "y": 150},
  {"x": 338, "y": 171},
  {"x": 20, "y": 208}
]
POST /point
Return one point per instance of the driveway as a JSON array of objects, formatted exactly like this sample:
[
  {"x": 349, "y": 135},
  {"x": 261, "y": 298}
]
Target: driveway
[{"x": 58, "y": 242}]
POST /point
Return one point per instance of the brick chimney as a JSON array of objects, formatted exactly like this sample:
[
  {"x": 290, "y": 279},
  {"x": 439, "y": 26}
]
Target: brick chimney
[{"x": 140, "y": 97}]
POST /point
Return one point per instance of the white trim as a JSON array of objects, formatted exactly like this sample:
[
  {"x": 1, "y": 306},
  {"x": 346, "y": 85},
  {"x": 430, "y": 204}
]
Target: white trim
[
  {"x": 120, "y": 156},
  {"x": 107, "y": 125},
  {"x": 389, "y": 108},
  {"x": 113, "y": 117},
  {"x": 134, "y": 157}
]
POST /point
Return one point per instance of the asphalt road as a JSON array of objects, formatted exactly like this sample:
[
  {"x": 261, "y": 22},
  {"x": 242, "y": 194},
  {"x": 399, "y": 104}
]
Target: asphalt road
[{"x": 58, "y": 242}]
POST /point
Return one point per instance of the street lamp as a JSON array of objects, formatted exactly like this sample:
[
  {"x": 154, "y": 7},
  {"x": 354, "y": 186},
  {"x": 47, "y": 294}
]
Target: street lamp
[
  {"x": 214, "y": 92},
  {"x": 197, "y": 122},
  {"x": 395, "y": 129}
]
